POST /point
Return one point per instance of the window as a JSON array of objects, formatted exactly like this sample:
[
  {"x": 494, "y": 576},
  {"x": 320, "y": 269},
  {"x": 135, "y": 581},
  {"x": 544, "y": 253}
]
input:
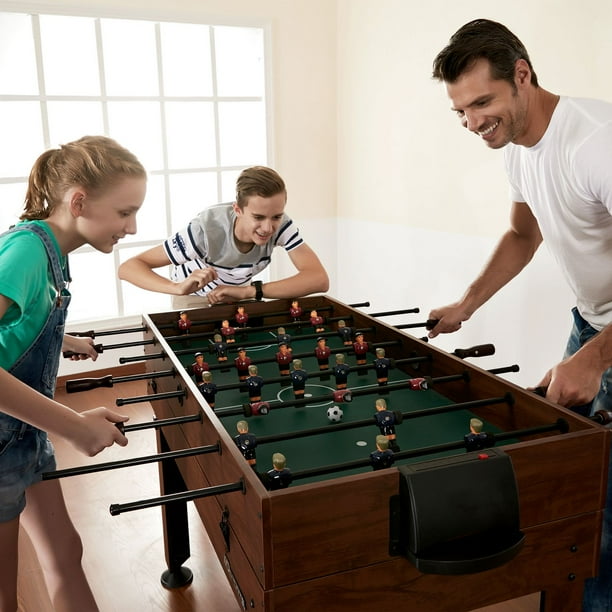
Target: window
[{"x": 187, "y": 99}]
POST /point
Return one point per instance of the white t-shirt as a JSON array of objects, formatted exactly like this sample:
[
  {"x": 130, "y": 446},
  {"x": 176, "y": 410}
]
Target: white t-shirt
[
  {"x": 566, "y": 179},
  {"x": 208, "y": 241}
]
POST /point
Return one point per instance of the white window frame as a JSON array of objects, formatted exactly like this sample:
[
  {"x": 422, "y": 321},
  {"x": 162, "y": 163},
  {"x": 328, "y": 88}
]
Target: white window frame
[{"x": 34, "y": 10}]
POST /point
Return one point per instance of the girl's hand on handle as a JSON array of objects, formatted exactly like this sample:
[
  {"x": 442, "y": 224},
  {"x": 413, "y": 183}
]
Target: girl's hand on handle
[{"x": 97, "y": 431}]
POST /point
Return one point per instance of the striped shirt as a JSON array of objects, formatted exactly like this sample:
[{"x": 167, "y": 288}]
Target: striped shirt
[{"x": 208, "y": 241}]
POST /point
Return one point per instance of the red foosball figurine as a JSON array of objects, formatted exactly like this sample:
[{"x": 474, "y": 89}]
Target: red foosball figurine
[
  {"x": 184, "y": 323},
  {"x": 242, "y": 318},
  {"x": 361, "y": 349},
  {"x": 199, "y": 367},
  {"x": 242, "y": 363},
  {"x": 316, "y": 321},
  {"x": 322, "y": 353},
  {"x": 283, "y": 358},
  {"x": 227, "y": 331},
  {"x": 295, "y": 312}
]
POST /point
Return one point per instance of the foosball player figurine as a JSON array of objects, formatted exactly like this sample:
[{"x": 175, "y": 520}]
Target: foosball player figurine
[
  {"x": 246, "y": 442},
  {"x": 382, "y": 457},
  {"x": 345, "y": 333},
  {"x": 316, "y": 321},
  {"x": 361, "y": 349},
  {"x": 477, "y": 439},
  {"x": 298, "y": 379},
  {"x": 382, "y": 365},
  {"x": 228, "y": 332},
  {"x": 295, "y": 312},
  {"x": 241, "y": 316},
  {"x": 219, "y": 346},
  {"x": 341, "y": 371},
  {"x": 282, "y": 337},
  {"x": 283, "y": 358},
  {"x": 254, "y": 384},
  {"x": 208, "y": 388},
  {"x": 242, "y": 363},
  {"x": 322, "y": 353},
  {"x": 385, "y": 419},
  {"x": 279, "y": 477},
  {"x": 184, "y": 323},
  {"x": 199, "y": 367}
]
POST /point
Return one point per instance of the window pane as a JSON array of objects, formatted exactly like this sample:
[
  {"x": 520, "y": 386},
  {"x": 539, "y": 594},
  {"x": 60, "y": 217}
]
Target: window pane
[
  {"x": 136, "y": 300},
  {"x": 70, "y": 56},
  {"x": 17, "y": 59},
  {"x": 191, "y": 135},
  {"x": 137, "y": 126},
  {"x": 240, "y": 61},
  {"x": 71, "y": 120},
  {"x": 186, "y": 59},
  {"x": 228, "y": 185},
  {"x": 130, "y": 58},
  {"x": 11, "y": 196},
  {"x": 22, "y": 141},
  {"x": 242, "y": 129},
  {"x": 151, "y": 219},
  {"x": 190, "y": 194},
  {"x": 93, "y": 286}
]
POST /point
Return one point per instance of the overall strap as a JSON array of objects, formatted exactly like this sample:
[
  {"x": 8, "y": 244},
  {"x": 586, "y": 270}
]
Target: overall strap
[{"x": 59, "y": 280}]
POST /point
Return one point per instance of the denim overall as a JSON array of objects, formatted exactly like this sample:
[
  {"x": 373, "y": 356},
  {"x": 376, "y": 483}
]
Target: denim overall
[{"x": 25, "y": 451}]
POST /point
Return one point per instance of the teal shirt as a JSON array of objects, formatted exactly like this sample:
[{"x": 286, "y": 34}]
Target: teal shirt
[{"x": 25, "y": 278}]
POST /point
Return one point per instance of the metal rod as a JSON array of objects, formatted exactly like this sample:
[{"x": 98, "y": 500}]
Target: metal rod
[
  {"x": 511, "y": 368},
  {"x": 395, "y": 312},
  {"x": 349, "y": 394},
  {"x": 429, "y": 324},
  {"x": 428, "y": 450},
  {"x": 95, "y": 334},
  {"x": 273, "y": 438},
  {"x": 184, "y": 496},
  {"x": 112, "y": 465},
  {"x": 86, "y": 384},
  {"x": 161, "y": 423},
  {"x": 150, "y": 398}
]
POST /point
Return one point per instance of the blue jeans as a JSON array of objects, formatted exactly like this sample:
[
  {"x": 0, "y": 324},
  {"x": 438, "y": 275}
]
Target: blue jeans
[{"x": 598, "y": 590}]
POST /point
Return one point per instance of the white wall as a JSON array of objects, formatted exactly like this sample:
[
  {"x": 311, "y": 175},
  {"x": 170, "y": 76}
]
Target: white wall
[{"x": 421, "y": 202}]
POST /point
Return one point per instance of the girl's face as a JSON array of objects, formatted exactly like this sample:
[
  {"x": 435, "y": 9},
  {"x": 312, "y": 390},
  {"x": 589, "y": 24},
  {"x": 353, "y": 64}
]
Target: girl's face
[{"x": 105, "y": 219}]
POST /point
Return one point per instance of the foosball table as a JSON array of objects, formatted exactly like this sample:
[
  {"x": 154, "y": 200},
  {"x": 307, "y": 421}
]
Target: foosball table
[{"x": 459, "y": 520}]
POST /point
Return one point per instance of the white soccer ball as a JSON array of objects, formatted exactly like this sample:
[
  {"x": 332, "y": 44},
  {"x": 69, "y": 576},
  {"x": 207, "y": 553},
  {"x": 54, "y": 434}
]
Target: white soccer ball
[{"x": 334, "y": 414}]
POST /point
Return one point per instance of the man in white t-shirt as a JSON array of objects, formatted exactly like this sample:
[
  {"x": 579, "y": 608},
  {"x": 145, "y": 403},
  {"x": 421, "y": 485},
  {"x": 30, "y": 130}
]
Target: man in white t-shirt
[
  {"x": 216, "y": 257},
  {"x": 558, "y": 154}
]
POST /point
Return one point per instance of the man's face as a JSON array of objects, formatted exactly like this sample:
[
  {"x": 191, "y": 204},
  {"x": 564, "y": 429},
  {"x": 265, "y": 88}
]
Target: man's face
[
  {"x": 490, "y": 108},
  {"x": 260, "y": 218}
]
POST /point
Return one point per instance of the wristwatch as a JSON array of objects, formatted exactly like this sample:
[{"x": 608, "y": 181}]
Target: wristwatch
[{"x": 258, "y": 290}]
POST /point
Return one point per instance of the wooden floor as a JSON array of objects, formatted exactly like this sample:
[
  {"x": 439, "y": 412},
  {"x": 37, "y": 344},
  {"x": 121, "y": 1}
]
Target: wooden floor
[{"x": 124, "y": 556}]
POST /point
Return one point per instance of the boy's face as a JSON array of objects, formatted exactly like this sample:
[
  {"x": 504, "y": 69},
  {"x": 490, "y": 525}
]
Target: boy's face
[{"x": 260, "y": 218}]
